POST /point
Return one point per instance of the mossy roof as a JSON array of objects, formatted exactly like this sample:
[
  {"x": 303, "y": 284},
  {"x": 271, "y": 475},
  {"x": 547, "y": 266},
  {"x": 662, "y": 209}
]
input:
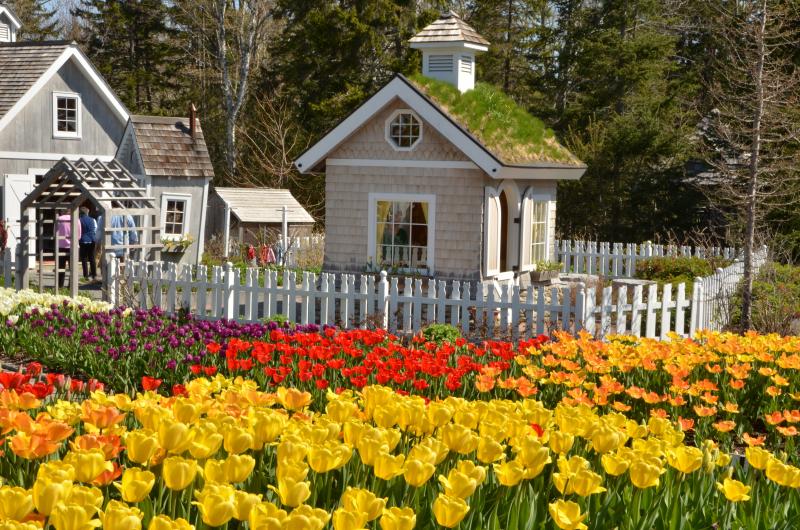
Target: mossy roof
[{"x": 504, "y": 128}]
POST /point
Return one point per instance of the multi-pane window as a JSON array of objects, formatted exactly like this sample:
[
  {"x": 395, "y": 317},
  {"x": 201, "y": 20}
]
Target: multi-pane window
[
  {"x": 404, "y": 130},
  {"x": 175, "y": 216},
  {"x": 401, "y": 235},
  {"x": 538, "y": 231},
  {"x": 66, "y": 118}
]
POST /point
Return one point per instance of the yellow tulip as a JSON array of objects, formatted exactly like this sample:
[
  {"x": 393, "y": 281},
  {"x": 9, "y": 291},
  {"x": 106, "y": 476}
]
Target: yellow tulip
[
  {"x": 449, "y": 511},
  {"x": 757, "y": 457},
  {"x": 644, "y": 473},
  {"x": 607, "y": 438},
  {"x": 244, "y": 502},
  {"x": 685, "y": 459},
  {"x": 614, "y": 463},
  {"x": 783, "y": 474},
  {"x": 88, "y": 464},
  {"x": 237, "y": 439},
  {"x": 341, "y": 410},
  {"x": 88, "y": 497},
  {"x": 141, "y": 445},
  {"x": 417, "y": 472},
  {"x": 214, "y": 471},
  {"x": 361, "y": 500},
  {"x": 48, "y": 493},
  {"x": 57, "y": 471},
  {"x": 734, "y": 490},
  {"x": 398, "y": 519},
  {"x": 388, "y": 466},
  {"x": 293, "y": 399},
  {"x": 370, "y": 448},
  {"x": 178, "y": 472},
  {"x": 297, "y": 470},
  {"x": 561, "y": 442},
  {"x": 305, "y": 517},
  {"x": 120, "y": 516},
  {"x": 348, "y": 520},
  {"x": 567, "y": 515},
  {"x": 292, "y": 492},
  {"x": 238, "y": 467},
  {"x": 10, "y": 524},
  {"x": 533, "y": 456},
  {"x": 324, "y": 458},
  {"x": 267, "y": 426},
  {"x": 73, "y": 517},
  {"x": 162, "y": 522},
  {"x": 136, "y": 484},
  {"x": 186, "y": 411},
  {"x": 489, "y": 450},
  {"x": 509, "y": 473},
  {"x": 216, "y": 508},
  {"x": 174, "y": 436},
  {"x": 586, "y": 483},
  {"x": 206, "y": 441},
  {"x": 458, "y": 438},
  {"x": 15, "y": 503},
  {"x": 266, "y": 516}
]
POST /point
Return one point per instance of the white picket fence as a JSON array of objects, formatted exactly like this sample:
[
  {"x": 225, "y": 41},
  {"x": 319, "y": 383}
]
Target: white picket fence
[
  {"x": 618, "y": 260},
  {"x": 404, "y": 305}
]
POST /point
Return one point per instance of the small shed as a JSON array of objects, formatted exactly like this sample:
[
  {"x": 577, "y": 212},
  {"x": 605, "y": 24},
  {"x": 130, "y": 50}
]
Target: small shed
[
  {"x": 253, "y": 215},
  {"x": 110, "y": 189}
]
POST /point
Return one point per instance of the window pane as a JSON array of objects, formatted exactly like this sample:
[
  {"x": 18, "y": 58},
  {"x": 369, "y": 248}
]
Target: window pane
[
  {"x": 404, "y": 130},
  {"x": 402, "y": 212},
  {"x": 419, "y": 235}
]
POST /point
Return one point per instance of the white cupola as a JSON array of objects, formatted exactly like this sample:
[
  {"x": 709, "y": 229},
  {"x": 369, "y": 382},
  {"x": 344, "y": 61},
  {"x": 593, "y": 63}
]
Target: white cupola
[
  {"x": 449, "y": 46},
  {"x": 9, "y": 24}
]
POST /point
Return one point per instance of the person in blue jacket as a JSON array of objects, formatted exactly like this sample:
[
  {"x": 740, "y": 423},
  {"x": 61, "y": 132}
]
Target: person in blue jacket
[{"x": 87, "y": 244}]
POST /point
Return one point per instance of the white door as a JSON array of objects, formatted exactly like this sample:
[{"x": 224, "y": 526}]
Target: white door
[{"x": 16, "y": 188}]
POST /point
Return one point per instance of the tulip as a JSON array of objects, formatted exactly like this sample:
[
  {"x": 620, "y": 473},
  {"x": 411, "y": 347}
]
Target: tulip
[
  {"x": 644, "y": 473},
  {"x": 607, "y": 438},
  {"x": 509, "y": 473},
  {"x": 489, "y": 450},
  {"x": 462, "y": 480},
  {"x": 586, "y": 483},
  {"x": 388, "y": 466},
  {"x": 361, "y": 500},
  {"x": 398, "y": 519},
  {"x": 32, "y": 447},
  {"x": 141, "y": 445},
  {"x": 324, "y": 458},
  {"x": 449, "y": 511},
  {"x": 244, "y": 503},
  {"x": 120, "y": 516},
  {"x": 685, "y": 459},
  {"x": 178, "y": 472},
  {"x": 57, "y": 471},
  {"x": 88, "y": 464},
  {"x": 370, "y": 448},
  {"x": 267, "y": 426},
  {"x": 561, "y": 442},
  {"x": 162, "y": 522},
  {"x": 567, "y": 515},
  {"x": 136, "y": 484},
  {"x": 614, "y": 464},
  {"x": 238, "y": 467},
  {"x": 85, "y": 496},
  {"x": 237, "y": 439},
  {"x": 417, "y": 472},
  {"x": 15, "y": 503},
  {"x": 10, "y": 524},
  {"x": 305, "y": 517},
  {"x": 174, "y": 436},
  {"x": 73, "y": 517},
  {"x": 48, "y": 493},
  {"x": 734, "y": 490},
  {"x": 757, "y": 457},
  {"x": 266, "y": 516},
  {"x": 293, "y": 399},
  {"x": 533, "y": 456},
  {"x": 459, "y": 438},
  {"x": 292, "y": 492},
  {"x": 216, "y": 509},
  {"x": 214, "y": 471},
  {"x": 206, "y": 441},
  {"x": 348, "y": 520}
]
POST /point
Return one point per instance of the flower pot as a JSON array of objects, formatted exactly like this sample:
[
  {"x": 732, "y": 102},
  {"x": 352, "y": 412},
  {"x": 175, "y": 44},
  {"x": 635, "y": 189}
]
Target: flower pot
[{"x": 543, "y": 276}]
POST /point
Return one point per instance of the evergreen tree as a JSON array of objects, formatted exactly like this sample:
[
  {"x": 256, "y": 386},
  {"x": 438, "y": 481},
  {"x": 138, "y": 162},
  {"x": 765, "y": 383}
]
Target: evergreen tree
[
  {"x": 133, "y": 46},
  {"x": 38, "y": 22}
]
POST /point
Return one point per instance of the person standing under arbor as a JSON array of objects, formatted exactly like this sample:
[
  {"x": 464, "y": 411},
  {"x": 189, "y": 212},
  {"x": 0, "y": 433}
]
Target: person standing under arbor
[
  {"x": 87, "y": 244},
  {"x": 122, "y": 233},
  {"x": 63, "y": 235}
]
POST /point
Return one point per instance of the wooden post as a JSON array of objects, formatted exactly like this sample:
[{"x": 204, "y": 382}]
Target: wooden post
[
  {"x": 73, "y": 252},
  {"x": 22, "y": 251},
  {"x": 228, "y": 301},
  {"x": 6, "y": 268}
]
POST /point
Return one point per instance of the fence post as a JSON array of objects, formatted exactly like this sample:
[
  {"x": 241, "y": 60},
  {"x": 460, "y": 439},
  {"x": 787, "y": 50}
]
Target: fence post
[
  {"x": 383, "y": 300},
  {"x": 6, "y": 267},
  {"x": 697, "y": 291},
  {"x": 580, "y": 307},
  {"x": 227, "y": 293},
  {"x": 111, "y": 275}
]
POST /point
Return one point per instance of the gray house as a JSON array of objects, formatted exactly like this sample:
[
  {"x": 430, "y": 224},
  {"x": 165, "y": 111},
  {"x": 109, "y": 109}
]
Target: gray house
[{"x": 54, "y": 104}]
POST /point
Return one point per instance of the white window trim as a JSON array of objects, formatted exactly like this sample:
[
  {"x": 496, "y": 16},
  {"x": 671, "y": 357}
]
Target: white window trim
[
  {"x": 79, "y": 112},
  {"x": 491, "y": 195},
  {"x": 526, "y": 227},
  {"x": 175, "y": 197},
  {"x": 402, "y": 197},
  {"x": 388, "y": 135}
]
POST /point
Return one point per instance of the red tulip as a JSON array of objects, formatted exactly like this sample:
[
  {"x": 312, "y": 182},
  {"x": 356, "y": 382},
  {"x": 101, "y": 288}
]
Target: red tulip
[{"x": 150, "y": 383}]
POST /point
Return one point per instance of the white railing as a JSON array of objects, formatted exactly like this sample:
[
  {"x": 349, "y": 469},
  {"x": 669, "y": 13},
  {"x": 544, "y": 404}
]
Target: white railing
[
  {"x": 404, "y": 305},
  {"x": 618, "y": 260}
]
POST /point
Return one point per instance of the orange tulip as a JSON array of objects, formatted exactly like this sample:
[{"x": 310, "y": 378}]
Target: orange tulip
[
  {"x": 32, "y": 446},
  {"x": 101, "y": 416},
  {"x": 108, "y": 443},
  {"x": 107, "y": 477}
]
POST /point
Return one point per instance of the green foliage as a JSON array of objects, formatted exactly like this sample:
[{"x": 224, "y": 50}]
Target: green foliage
[
  {"x": 677, "y": 270},
  {"x": 38, "y": 22},
  {"x": 548, "y": 266},
  {"x": 498, "y": 121},
  {"x": 441, "y": 333},
  {"x": 776, "y": 300},
  {"x": 281, "y": 320}
]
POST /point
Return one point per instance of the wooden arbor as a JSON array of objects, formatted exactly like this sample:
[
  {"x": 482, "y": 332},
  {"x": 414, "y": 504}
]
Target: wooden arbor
[{"x": 111, "y": 189}]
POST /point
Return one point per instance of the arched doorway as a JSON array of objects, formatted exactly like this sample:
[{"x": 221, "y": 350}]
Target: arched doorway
[{"x": 503, "y": 231}]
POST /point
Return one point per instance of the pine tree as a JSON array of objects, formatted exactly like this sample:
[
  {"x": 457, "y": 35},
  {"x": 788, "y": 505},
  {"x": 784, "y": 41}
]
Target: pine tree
[
  {"x": 38, "y": 22},
  {"x": 133, "y": 46}
]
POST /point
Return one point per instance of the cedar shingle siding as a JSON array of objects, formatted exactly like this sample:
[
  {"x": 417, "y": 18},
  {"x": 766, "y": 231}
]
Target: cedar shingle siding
[{"x": 22, "y": 64}]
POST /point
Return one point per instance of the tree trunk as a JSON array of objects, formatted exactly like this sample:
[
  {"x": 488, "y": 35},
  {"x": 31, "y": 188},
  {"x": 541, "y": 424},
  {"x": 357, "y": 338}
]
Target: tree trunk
[
  {"x": 507, "y": 61},
  {"x": 230, "y": 146},
  {"x": 752, "y": 185}
]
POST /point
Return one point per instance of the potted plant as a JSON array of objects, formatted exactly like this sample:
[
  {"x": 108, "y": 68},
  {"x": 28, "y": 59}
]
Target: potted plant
[
  {"x": 545, "y": 271},
  {"x": 173, "y": 248}
]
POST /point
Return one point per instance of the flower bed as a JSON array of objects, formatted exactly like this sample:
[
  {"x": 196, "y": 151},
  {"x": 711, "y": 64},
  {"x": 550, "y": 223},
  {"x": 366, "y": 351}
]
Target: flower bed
[{"x": 221, "y": 453}]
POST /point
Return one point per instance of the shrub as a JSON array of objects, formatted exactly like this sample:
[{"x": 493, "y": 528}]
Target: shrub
[
  {"x": 776, "y": 300},
  {"x": 677, "y": 270},
  {"x": 441, "y": 333}
]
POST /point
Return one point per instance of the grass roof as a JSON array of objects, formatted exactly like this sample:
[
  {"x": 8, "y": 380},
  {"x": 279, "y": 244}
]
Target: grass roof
[{"x": 505, "y": 128}]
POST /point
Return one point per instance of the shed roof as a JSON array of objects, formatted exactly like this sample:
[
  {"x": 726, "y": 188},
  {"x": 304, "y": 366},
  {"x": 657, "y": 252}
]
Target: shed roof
[
  {"x": 21, "y": 65},
  {"x": 168, "y": 149},
  {"x": 448, "y": 28},
  {"x": 263, "y": 205}
]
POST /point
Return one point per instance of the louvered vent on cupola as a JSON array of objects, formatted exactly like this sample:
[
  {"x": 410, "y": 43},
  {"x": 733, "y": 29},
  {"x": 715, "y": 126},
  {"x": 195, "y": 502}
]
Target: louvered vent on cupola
[{"x": 449, "y": 47}]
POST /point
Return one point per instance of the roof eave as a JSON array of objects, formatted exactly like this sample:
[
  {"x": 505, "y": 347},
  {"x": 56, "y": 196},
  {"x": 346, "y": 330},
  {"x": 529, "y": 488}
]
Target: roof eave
[
  {"x": 421, "y": 44},
  {"x": 12, "y": 17},
  {"x": 543, "y": 171}
]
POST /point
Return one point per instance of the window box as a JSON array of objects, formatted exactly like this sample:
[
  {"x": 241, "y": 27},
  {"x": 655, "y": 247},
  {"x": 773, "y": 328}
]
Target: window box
[{"x": 543, "y": 276}]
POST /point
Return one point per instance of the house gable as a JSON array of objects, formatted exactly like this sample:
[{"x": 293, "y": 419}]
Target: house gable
[{"x": 28, "y": 126}]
